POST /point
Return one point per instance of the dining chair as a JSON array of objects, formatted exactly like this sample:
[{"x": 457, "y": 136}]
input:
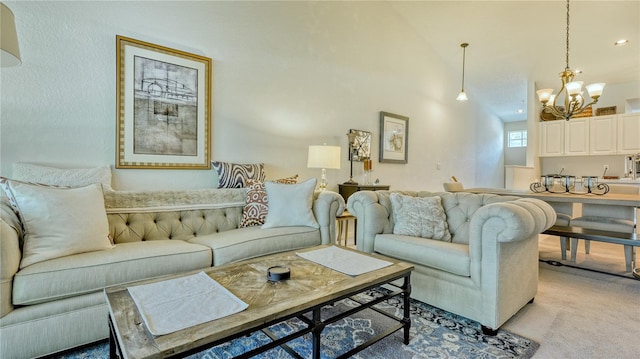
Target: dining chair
[
  {"x": 608, "y": 218},
  {"x": 564, "y": 213}
]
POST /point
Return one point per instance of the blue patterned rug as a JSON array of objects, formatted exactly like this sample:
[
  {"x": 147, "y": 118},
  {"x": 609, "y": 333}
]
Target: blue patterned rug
[{"x": 434, "y": 334}]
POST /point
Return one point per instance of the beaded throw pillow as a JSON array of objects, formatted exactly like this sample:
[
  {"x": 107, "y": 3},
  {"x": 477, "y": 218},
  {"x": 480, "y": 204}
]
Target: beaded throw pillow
[
  {"x": 257, "y": 204},
  {"x": 419, "y": 217}
]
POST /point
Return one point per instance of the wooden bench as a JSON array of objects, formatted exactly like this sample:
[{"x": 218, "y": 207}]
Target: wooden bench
[{"x": 629, "y": 239}]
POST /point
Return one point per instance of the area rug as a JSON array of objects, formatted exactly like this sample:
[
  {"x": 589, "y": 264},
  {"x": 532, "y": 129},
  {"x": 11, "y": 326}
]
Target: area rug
[{"x": 434, "y": 334}]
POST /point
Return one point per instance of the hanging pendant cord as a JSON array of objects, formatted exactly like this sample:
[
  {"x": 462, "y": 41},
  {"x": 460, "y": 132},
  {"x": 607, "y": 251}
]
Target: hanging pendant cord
[
  {"x": 464, "y": 52},
  {"x": 567, "y": 68}
]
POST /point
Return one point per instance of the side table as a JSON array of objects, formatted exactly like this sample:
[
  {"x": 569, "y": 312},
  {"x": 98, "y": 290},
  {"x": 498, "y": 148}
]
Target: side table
[
  {"x": 343, "y": 223},
  {"x": 347, "y": 189}
]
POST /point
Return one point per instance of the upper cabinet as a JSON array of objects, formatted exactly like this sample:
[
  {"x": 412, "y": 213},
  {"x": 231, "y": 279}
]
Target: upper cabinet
[
  {"x": 552, "y": 138},
  {"x": 629, "y": 133},
  {"x": 601, "y": 135},
  {"x": 576, "y": 137}
]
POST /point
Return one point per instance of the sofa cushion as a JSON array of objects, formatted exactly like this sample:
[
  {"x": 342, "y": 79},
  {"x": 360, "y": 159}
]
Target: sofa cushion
[
  {"x": 250, "y": 242},
  {"x": 290, "y": 204},
  {"x": 236, "y": 175},
  {"x": 419, "y": 216},
  {"x": 446, "y": 256},
  {"x": 89, "y": 272},
  {"x": 60, "y": 221}
]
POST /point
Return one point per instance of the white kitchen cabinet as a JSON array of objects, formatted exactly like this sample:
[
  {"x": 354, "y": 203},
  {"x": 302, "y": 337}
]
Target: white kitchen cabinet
[
  {"x": 576, "y": 137},
  {"x": 628, "y": 133},
  {"x": 552, "y": 138},
  {"x": 603, "y": 135}
]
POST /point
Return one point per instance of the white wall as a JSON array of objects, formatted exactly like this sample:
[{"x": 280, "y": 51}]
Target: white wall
[
  {"x": 285, "y": 75},
  {"x": 516, "y": 156}
]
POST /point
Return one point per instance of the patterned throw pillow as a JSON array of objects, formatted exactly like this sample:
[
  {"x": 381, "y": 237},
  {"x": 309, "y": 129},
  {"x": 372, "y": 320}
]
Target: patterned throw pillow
[
  {"x": 234, "y": 175},
  {"x": 419, "y": 217},
  {"x": 257, "y": 204}
]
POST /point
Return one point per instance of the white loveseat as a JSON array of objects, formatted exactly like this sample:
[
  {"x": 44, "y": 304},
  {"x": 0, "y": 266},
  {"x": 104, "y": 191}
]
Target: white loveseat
[
  {"x": 489, "y": 269},
  {"x": 59, "y": 304}
]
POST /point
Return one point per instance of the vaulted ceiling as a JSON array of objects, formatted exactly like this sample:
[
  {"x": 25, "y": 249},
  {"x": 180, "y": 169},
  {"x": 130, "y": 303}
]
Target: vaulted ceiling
[{"x": 515, "y": 43}]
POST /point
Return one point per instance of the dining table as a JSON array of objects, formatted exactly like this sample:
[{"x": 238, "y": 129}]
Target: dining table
[{"x": 617, "y": 199}]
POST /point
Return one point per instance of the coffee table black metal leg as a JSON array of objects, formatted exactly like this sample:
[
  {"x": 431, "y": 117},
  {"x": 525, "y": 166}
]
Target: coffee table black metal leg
[
  {"x": 113, "y": 353},
  {"x": 406, "y": 320},
  {"x": 318, "y": 326}
]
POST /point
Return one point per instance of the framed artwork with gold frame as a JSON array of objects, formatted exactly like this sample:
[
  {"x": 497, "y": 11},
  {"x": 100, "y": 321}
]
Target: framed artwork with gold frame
[
  {"x": 164, "y": 107},
  {"x": 394, "y": 137}
]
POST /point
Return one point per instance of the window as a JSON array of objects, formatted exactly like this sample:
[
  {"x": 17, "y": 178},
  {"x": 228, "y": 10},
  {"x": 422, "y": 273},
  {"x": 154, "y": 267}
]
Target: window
[{"x": 518, "y": 138}]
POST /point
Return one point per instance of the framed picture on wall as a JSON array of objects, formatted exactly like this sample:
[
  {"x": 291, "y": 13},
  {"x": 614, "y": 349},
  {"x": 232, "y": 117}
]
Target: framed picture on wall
[
  {"x": 394, "y": 137},
  {"x": 164, "y": 107}
]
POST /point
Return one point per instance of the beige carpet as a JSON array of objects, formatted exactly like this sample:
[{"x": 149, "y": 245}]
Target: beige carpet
[{"x": 579, "y": 313}]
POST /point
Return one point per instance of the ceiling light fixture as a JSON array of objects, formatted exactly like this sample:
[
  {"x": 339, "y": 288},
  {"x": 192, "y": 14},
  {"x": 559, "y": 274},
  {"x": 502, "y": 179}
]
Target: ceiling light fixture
[
  {"x": 621, "y": 42},
  {"x": 574, "y": 102},
  {"x": 462, "y": 96}
]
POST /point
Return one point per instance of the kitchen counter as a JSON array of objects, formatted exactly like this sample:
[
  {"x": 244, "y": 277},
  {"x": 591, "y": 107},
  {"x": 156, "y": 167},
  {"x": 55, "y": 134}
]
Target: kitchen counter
[{"x": 621, "y": 181}]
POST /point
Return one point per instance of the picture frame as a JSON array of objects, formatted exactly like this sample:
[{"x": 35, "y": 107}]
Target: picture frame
[
  {"x": 164, "y": 107},
  {"x": 360, "y": 149},
  {"x": 394, "y": 138}
]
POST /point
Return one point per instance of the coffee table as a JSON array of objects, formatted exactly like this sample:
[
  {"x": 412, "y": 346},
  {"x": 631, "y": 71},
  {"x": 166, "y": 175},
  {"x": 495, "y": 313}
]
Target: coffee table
[{"x": 311, "y": 287}]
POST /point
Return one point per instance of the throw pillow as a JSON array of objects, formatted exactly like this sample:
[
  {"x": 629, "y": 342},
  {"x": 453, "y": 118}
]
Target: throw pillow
[
  {"x": 419, "y": 217},
  {"x": 62, "y": 177},
  {"x": 290, "y": 204},
  {"x": 234, "y": 175},
  {"x": 257, "y": 205},
  {"x": 60, "y": 221}
]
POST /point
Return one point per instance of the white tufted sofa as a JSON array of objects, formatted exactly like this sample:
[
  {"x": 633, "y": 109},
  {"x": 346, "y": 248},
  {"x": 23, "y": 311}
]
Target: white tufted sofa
[
  {"x": 58, "y": 304},
  {"x": 490, "y": 268}
]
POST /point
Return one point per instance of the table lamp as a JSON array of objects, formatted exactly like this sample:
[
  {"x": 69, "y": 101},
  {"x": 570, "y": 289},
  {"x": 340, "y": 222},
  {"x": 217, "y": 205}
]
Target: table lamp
[{"x": 324, "y": 157}]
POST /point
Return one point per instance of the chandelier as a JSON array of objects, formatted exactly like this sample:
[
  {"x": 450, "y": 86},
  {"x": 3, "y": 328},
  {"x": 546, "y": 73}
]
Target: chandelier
[{"x": 574, "y": 101}]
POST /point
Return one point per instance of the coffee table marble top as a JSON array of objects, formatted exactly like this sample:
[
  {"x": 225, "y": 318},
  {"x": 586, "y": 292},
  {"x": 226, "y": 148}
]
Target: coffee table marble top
[{"x": 310, "y": 285}]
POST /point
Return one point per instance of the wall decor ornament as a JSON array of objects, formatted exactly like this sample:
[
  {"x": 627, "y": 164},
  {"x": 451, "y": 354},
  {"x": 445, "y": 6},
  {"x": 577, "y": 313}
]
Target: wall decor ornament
[
  {"x": 394, "y": 138},
  {"x": 164, "y": 107}
]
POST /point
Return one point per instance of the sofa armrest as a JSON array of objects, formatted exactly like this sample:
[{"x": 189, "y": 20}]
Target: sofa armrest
[
  {"x": 10, "y": 256},
  {"x": 327, "y": 205},
  {"x": 511, "y": 220},
  {"x": 503, "y": 245},
  {"x": 372, "y": 217}
]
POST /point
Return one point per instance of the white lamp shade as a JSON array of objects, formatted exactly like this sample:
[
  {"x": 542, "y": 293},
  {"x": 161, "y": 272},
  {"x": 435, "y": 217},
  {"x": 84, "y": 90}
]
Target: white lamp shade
[
  {"x": 462, "y": 96},
  {"x": 574, "y": 88},
  {"x": 595, "y": 90},
  {"x": 544, "y": 95},
  {"x": 9, "y": 50},
  {"x": 324, "y": 157}
]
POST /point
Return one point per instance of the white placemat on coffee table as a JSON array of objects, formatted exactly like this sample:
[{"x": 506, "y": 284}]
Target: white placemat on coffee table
[
  {"x": 171, "y": 305},
  {"x": 344, "y": 261}
]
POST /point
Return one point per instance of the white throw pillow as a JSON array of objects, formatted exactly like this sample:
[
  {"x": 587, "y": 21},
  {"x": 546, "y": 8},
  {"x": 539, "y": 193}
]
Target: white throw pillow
[
  {"x": 62, "y": 177},
  {"x": 60, "y": 221},
  {"x": 419, "y": 217},
  {"x": 290, "y": 204}
]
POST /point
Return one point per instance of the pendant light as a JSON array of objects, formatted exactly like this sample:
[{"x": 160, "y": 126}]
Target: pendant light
[
  {"x": 574, "y": 101},
  {"x": 462, "y": 96}
]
